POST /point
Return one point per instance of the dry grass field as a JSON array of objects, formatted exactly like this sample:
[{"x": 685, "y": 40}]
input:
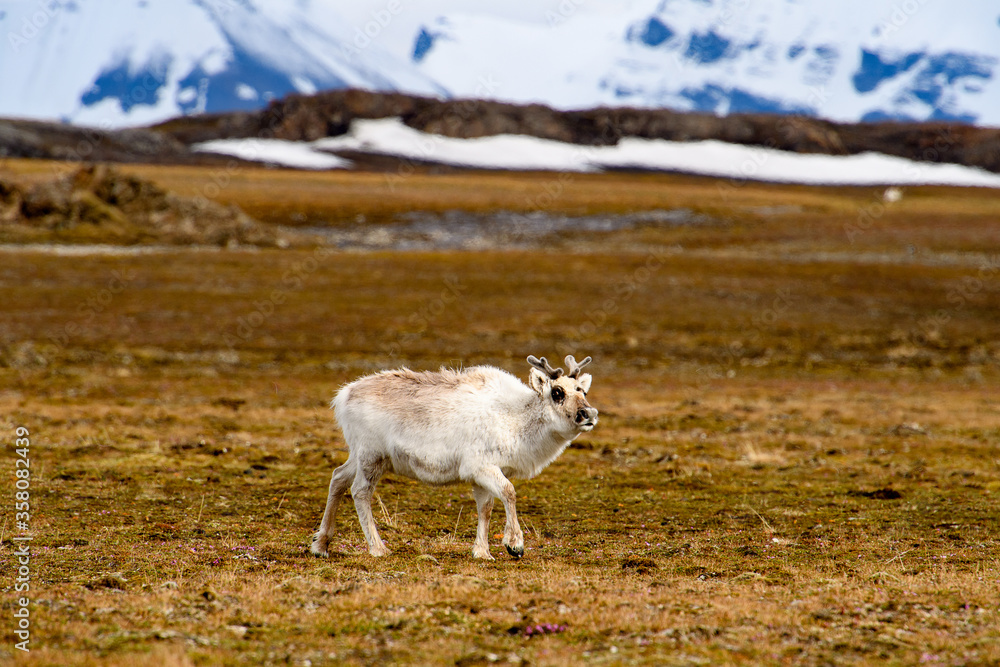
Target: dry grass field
[{"x": 796, "y": 462}]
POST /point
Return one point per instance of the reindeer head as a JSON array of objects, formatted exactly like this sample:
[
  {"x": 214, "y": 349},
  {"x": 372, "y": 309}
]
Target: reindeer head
[{"x": 565, "y": 395}]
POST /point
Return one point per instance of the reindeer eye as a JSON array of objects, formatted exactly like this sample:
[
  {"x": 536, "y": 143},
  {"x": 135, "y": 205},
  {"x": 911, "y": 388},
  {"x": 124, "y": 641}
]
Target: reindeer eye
[{"x": 558, "y": 395}]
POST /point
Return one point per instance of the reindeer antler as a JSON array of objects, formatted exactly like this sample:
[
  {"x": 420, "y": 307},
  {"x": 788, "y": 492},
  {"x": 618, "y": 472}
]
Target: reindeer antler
[
  {"x": 575, "y": 368},
  {"x": 543, "y": 365}
]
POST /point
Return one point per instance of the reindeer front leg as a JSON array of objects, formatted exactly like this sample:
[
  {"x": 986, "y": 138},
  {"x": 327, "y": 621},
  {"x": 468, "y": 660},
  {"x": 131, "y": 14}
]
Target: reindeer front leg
[
  {"x": 493, "y": 481},
  {"x": 484, "y": 504}
]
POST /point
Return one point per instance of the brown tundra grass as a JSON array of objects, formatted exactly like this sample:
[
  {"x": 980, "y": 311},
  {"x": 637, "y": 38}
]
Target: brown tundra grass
[{"x": 796, "y": 460}]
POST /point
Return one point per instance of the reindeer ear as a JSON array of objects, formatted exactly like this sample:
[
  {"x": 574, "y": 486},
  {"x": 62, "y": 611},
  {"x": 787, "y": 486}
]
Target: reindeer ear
[
  {"x": 538, "y": 381},
  {"x": 585, "y": 382}
]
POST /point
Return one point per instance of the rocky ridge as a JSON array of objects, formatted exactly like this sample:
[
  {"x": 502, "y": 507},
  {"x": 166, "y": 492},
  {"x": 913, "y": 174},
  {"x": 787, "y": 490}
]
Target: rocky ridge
[{"x": 311, "y": 117}]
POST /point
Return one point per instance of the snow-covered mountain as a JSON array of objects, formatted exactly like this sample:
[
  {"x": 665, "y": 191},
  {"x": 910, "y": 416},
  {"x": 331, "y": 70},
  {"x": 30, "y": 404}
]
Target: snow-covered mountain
[
  {"x": 848, "y": 60},
  {"x": 112, "y": 63},
  {"x": 137, "y": 61}
]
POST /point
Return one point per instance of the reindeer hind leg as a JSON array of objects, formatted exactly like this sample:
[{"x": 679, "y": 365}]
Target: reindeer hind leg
[
  {"x": 340, "y": 481},
  {"x": 363, "y": 490}
]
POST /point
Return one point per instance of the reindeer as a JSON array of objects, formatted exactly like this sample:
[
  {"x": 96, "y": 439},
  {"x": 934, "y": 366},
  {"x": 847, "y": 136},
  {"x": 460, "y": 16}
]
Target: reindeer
[{"x": 479, "y": 425}]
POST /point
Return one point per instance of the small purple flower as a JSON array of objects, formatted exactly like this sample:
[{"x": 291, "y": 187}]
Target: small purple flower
[{"x": 543, "y": 629}]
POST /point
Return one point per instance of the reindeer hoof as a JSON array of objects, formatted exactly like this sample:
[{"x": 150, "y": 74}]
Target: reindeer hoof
[
  {"x": 516, "y": 552},
  {"x": 319, "y": 549}
]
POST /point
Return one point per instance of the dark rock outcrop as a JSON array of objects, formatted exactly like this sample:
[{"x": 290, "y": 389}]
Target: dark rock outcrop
[
  {"x": 310, "y": 117},
  {"x": 300, "y": 117}
]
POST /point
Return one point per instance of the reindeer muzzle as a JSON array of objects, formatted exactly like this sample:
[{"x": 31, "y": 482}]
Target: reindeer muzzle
[{"x": 586, "y": 417}]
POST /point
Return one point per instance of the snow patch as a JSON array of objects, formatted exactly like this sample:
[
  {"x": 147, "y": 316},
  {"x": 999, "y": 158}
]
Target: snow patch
[
  {"x": 304, "y": 85},
  {"x": 297, "y": 155},
  {"x": 389, "y": 136},
  {"x": 243, "y": 91}
]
